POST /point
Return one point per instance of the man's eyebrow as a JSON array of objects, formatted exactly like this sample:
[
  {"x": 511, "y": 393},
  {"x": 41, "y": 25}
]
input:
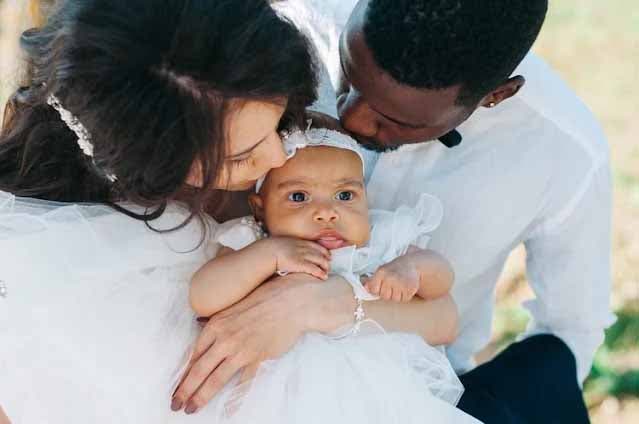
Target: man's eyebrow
[
  {"x": 249, "y": 150},
  {"x": 396, "y": 121}
]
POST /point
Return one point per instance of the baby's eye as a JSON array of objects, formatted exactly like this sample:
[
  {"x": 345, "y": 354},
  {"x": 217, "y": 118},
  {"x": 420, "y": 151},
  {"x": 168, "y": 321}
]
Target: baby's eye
[
  {"x": 345, "y": 196},
  {"x": 298, "y": 197}
]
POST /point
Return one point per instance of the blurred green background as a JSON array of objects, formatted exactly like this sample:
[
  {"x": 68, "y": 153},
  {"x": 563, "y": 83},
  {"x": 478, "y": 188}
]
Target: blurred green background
[{"x": 594, "y": 45}]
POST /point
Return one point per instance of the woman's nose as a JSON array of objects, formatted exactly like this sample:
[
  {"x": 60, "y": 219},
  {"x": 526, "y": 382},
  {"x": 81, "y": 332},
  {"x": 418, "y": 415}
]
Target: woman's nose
[
  {"x": 325, "y": 213},
  {"x": 278, "y": 155},
  {"x": 356, "y": 116}
]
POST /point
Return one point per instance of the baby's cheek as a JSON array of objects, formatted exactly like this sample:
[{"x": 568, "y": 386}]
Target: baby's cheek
[
  {"x": 288, "y": 226},
  {"x": 361, "y": 231}
]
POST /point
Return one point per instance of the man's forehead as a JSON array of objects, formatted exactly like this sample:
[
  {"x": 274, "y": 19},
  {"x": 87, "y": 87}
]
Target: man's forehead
[{"x": 408, "y": 105}]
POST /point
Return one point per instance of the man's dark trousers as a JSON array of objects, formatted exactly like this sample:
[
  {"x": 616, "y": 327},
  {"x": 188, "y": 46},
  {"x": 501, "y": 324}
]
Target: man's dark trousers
[{"x": 532, "y": 381}]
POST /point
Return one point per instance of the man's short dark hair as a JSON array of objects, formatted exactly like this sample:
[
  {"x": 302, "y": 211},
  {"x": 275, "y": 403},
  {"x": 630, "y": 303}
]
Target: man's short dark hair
[{"x": 435, "y": 44}]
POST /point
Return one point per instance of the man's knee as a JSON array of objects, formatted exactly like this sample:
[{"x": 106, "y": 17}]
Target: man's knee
[{"x": 546, "y": 354}]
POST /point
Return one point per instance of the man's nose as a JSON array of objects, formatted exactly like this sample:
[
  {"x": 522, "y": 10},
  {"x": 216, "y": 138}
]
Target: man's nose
[
  {"x": 356, "y": 116},
  {"x": 325, "y": 213}
]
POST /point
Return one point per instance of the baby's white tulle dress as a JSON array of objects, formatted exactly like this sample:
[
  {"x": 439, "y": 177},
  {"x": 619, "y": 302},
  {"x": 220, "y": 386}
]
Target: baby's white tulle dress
[{"x": 95, "y": 327}]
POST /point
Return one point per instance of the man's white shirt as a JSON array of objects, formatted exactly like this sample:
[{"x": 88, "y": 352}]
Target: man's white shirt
[{"x": 533, "y": 170}]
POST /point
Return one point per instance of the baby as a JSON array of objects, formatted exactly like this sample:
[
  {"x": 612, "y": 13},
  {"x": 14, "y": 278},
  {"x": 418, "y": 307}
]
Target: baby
[
  {"x": 311, "y": 216},
  {"x": 313, "y": 205}
]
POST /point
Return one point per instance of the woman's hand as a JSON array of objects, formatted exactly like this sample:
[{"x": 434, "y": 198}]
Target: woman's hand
[{"x": 264, "y": 325}]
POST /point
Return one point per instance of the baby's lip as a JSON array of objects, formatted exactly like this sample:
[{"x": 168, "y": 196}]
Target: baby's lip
[{"x": 330, "y": 239}]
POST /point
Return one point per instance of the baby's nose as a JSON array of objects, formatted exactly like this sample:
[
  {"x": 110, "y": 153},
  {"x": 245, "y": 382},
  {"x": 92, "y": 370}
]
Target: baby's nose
[{"x": 326, "y": 214}]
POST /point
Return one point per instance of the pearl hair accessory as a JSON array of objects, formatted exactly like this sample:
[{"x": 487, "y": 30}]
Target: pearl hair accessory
[{"x": 74, "y": 124}]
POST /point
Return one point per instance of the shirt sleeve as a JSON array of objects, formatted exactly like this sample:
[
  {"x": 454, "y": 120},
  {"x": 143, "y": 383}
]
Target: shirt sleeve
[{"x": 568, "y": 266}]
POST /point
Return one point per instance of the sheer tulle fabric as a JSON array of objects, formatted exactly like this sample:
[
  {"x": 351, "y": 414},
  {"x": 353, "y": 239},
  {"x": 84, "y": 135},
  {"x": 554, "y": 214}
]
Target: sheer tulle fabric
[{"x": 96, "y": 327}]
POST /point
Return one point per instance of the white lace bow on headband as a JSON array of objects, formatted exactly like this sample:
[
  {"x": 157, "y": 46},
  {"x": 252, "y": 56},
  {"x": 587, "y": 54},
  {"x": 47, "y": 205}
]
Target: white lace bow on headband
[
  {"x": 298, "y": 139},
  {"x": 74, "y": 124}
]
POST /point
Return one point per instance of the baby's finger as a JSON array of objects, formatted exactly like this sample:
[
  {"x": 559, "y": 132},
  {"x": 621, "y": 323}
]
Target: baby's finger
[
  {"x": 318, "y": 260},
  {"x": 373, "y": 284},
  {"x": 321, "y": 249},
  {"x": 386, "y": 292},
  {"x": 314, "y": 270},
  {"x": 398, "y": 294}
]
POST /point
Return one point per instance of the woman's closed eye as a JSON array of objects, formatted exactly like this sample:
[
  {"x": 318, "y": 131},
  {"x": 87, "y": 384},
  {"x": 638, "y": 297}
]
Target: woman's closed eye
[{"x": 240, "y": 162}]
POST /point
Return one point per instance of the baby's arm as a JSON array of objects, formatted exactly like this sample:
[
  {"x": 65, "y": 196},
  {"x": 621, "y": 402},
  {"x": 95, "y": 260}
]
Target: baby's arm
[
  {"x": 424, "y": 273},
  {"x": 436, "y": 275},
  {"x": 232, "y": 275}
]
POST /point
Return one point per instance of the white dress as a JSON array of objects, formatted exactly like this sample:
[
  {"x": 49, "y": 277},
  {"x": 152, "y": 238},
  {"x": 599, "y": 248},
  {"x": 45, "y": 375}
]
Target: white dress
[{"x": 95, "y": 327}]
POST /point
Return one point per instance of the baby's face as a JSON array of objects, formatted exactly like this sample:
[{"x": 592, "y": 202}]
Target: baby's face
[{"x": 318, "y": 195}]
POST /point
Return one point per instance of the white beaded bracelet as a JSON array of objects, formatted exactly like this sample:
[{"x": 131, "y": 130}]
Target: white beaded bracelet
[{"x": 359, "y": 314}]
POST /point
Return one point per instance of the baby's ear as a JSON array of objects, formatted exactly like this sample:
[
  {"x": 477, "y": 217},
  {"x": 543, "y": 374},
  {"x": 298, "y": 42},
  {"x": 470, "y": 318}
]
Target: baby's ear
[{"x": 257, "y": 206}]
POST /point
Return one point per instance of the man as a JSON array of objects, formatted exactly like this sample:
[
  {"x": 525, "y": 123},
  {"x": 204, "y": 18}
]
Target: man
[
  {"x": 447, "y": 91},
  {"x": 519, "y": 160}
]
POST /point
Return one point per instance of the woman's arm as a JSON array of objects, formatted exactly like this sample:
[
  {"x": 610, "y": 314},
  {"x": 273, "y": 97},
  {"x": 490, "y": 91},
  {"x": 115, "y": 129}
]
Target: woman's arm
[
  {"x": 435, "y": 320},
  {"x": 268, "y": 322}
]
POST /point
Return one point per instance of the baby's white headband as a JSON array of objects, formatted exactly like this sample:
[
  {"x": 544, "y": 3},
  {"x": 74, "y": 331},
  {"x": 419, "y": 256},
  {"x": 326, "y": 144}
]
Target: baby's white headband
[{"x": 298, "y": 139}]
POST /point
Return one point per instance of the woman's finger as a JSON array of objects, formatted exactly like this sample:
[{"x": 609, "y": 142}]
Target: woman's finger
[
  {"x": 205, "y": 340},
  {"x": 197, "y": 374},
  {"x": 212, "y": 385}
]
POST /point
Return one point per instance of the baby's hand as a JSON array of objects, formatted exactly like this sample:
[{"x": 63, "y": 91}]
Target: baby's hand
[
  {"x": 295, "y": 255},
  {"x": 398, "y": 280}
]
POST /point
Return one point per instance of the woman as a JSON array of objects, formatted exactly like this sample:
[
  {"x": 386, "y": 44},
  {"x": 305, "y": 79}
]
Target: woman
[
  {"x": 134, "y": 105},
  {"x": 153, "y": 109}
]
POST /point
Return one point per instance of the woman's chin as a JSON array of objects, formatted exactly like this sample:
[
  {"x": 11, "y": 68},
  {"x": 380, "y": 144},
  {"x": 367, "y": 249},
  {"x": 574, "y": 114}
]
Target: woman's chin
[{"x": 241, "y": 186}]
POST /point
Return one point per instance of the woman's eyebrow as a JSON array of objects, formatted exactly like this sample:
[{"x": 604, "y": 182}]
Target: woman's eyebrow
[{"x": 249, "y": 150}]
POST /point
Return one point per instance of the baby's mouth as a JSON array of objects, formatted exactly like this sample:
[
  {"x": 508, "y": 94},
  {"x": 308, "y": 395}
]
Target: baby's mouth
[{"x": 331, "y": 240}]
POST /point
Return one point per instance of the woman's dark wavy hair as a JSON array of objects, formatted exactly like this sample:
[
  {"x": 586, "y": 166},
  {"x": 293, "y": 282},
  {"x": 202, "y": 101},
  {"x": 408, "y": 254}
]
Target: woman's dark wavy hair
[{"x": 152, "y": 82}]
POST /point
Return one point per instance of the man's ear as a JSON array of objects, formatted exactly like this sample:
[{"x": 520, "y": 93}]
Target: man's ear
[
  {"x": 257, "y": 206},
  {"x": 504, "y": 91}
]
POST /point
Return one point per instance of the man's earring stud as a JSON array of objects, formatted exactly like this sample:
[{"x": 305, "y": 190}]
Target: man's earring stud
[{"x": 492, "y": 104}]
